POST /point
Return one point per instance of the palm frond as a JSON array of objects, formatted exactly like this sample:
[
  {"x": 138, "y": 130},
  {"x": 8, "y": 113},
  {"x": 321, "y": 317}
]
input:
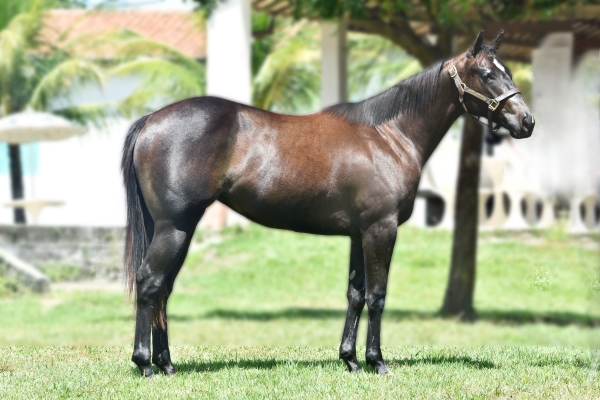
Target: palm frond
[
  {"x": 288, "y": 79},
  {"x": 91, "y": 114},
  {"x": 161, "y": 81},
  {"x": 134, "y": 45},
  {"x": 62, "y": 79},
  {"x": 376, "y": 64}
]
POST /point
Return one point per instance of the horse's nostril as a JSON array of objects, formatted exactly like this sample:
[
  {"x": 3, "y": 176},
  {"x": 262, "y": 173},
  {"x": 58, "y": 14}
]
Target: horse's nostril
[{"x": 528, "y": 120}]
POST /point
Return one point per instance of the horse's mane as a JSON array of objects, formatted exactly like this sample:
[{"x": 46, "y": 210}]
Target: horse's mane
[{"x": 410, "y": 96}]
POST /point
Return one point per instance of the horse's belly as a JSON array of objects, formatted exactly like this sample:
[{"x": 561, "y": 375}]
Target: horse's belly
[{"x": 298, "y": 212}]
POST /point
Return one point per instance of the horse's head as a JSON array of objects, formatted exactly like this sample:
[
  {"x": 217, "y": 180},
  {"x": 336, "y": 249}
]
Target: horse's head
[{"x": 482, "y": 73}]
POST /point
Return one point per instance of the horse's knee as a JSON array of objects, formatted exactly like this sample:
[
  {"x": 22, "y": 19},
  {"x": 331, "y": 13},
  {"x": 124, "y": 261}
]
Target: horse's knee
[
  {"x": 356, "y": 298},
  {"x": 147, "y": 288},
  {"x": 375, "y": 300}
]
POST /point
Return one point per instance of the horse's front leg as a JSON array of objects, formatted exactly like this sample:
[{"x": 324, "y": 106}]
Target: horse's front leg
[
  {"x": 378, "y": 245},
  {"x": 356, "y": 302}
]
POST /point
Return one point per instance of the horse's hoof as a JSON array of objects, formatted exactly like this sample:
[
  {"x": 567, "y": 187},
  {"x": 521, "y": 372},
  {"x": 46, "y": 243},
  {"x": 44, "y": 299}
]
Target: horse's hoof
[
  {"x": 168, "y": 370},
  {"x": 147, "y": 372},
  {"x": 383, "y": 370},
  {"x": 164, "y": 364},
  {"x": 352, "y": 365},
  {"x": 380, "y": 368}
]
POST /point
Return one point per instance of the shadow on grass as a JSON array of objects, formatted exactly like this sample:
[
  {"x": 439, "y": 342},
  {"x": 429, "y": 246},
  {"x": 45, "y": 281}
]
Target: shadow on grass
[
  {"x": 330, "y": 364},
  {"x": 507, "y": 317}
]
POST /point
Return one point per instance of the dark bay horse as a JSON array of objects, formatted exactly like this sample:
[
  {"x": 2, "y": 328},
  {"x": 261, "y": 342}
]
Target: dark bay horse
[{"x": 350, "y": 169}]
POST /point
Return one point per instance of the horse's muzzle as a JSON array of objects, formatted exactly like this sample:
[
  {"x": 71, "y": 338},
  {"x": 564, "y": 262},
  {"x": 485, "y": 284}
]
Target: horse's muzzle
[{"x": 527, "y": 125}]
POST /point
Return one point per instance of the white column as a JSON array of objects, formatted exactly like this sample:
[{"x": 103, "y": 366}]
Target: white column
[
  {"x": 564, "y": 147},
  {"x": 552, "y": 63},
  {"x": 228, "y": 74},
  {"x": 334, "y": 80},
  {"x": 228, "y": 71}
]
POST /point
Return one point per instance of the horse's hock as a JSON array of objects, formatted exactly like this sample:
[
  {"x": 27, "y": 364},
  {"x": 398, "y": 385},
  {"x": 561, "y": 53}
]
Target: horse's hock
[{"x": 84, "y": 251}]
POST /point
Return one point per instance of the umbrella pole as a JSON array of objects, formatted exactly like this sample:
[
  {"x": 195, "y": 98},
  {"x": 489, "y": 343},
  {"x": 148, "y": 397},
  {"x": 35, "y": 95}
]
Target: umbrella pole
[
  {"x": 31, "y": 169},
  {"x": 16, "y": 180}
]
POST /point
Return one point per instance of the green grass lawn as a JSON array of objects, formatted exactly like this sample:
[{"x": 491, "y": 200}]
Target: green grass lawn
[
  {"x": 301, "y": 372},
  {"x": 267, "y": 287},
  {"x": 264, "y": 288}
]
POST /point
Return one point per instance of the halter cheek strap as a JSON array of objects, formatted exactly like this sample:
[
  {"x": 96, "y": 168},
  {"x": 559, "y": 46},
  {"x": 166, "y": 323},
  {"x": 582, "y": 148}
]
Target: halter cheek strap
[{"x": 492, "y": 103}]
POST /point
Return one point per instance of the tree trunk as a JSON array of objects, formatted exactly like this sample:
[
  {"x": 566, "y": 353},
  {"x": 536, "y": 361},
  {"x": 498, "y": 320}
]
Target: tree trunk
[
  {"x": 461, "y": 283},
  {"x": 16, "y": 180}
]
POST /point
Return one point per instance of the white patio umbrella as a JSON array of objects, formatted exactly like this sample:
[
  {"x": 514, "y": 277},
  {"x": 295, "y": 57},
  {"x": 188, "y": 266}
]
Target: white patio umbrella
[{"x": 33, "y": 126}]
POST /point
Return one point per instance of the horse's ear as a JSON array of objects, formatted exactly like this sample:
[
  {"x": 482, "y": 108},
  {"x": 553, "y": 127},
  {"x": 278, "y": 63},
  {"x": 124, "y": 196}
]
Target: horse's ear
[
  {"x": 498, "y": 41},
  {"x": 477, "y": 45}
]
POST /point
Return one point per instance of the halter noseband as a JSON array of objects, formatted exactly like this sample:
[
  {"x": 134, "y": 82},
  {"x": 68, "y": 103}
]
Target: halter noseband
[{"x": 492, "y": 103}]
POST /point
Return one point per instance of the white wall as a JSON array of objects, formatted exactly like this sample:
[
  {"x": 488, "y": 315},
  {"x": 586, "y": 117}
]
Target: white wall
[
  {"x": 228, "y": 72},
  {"x": 334, "y": 64},
  {"x": 84, "y": 172},
  {"x": 81, "y": 171}
]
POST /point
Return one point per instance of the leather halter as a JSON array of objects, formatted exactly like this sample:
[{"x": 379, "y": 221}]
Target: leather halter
[{"x": 492, "y": 103}]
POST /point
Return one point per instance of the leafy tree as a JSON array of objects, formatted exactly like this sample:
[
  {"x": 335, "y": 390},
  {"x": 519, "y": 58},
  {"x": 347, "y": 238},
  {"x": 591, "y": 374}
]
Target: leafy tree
[
  {"x": 34, "y": 74},
  {"x": 404, "y": 21},
  {"x": 287, "y": 79},
  {"x": 286, "y": 66},
  {"x": 453, "y": 24}
]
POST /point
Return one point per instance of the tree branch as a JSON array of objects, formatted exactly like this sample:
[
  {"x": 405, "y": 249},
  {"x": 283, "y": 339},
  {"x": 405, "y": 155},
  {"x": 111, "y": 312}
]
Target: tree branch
[{"x": 399, "y": 32}]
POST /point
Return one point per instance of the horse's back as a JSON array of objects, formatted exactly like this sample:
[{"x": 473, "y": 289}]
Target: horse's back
[
  {"x": 314, "y": 173},
  {"x": 305, "y": 173}
]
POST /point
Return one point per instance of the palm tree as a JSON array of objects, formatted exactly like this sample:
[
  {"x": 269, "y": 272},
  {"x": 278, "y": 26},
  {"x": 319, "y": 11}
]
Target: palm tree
[
  {"x": 287, "y": 78},
  {"x": 34, "y": 74},
  {"x": 286, "y": 67},
  {"x": 375, "y": 64}
]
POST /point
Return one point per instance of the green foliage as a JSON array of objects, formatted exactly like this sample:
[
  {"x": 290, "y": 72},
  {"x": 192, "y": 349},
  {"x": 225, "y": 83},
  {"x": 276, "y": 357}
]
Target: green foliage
[
  {"x": 394, "y": 19},
  {"x": 446, "y": 13},
  {"x": 9, "y": 287},
  {"x": 167, "y": 74},
  {"x": 286, "y": 67},
  {"x": 62, "y": 78},
  {"x": 61, "y": 272},
  {"x": 261, "y": 47},
  {"x": 375, "y": 64},
  {"x": 332, "y": 9},
  {"x": 288, "y": 79},
  {"x": 523, "y": 79},
  {"x": 42, "y": 75}
]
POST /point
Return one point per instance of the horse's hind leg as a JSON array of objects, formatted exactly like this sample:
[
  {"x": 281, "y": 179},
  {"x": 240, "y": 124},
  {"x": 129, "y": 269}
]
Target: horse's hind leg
[
  {"x": 161, "y": 356},
  {"x": 167, "y": 250},
  {"x": 356, "y": 303}
]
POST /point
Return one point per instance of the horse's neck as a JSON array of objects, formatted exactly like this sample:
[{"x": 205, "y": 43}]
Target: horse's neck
[{"x": 427, "y": 128}]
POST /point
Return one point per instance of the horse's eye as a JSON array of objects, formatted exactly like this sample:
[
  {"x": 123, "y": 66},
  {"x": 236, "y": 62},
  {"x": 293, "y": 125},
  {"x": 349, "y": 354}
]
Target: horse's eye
[{"x": 486, "y": 76}]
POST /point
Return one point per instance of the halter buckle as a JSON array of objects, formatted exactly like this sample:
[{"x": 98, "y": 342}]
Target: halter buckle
[
  {"x": 452, "y": 70},
  {"x": 493, "y": 105}
]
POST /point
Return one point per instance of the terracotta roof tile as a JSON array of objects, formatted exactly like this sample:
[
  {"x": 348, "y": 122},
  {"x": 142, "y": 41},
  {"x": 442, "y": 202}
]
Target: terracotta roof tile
[{"x": 174, "y": 28}]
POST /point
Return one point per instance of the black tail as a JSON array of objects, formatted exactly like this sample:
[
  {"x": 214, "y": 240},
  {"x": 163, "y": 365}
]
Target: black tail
[{"x": 140, "y": 227}]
